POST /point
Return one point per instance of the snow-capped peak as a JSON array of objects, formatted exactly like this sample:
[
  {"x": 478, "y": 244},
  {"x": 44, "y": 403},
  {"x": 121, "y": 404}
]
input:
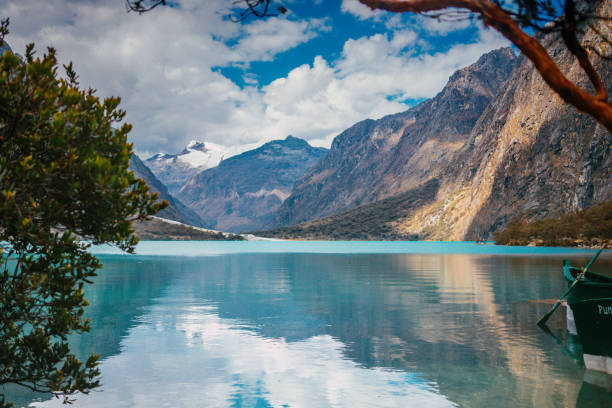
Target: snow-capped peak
[
  {"x": 196, "y": 145},
  {"x": 202, "y": 154}
]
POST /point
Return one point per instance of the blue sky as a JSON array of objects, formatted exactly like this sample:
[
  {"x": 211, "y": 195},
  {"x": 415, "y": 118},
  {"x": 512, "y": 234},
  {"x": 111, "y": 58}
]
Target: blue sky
[
  {"x": 187, "y": 73},
  {"x": 341, "y": 26}
]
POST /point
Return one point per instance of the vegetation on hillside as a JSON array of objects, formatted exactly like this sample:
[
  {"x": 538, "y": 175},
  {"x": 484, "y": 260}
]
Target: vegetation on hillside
[
  {"x": 591, "y": 227},
  {"x": 373, "y": 222},
  {"x": 157, "y": 229}
]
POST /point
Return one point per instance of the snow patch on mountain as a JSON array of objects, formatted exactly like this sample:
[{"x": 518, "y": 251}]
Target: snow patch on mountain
[
  {"x": 199, "y": 154},
  {"x": 175, "y": 169}
]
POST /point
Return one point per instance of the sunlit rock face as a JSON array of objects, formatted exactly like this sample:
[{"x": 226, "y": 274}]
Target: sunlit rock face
[
  {"x": 529, "y": 153},
  {"x": 498, "y": 149},
  {"x": 175, "y": 169},
  {"x": 244, "y": 192},
  {"x": 375, "y": 159},
  {"x": 532, "y": 153},
  {"x": 176, "y": 211}
]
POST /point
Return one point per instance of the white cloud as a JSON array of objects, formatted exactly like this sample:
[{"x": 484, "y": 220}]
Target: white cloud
[
  {"x": 360, "y": 10},
  {"x": 263, "y": 39},
  {"x": 163, "y": 63},
  {"x": 320, "y": 100}
]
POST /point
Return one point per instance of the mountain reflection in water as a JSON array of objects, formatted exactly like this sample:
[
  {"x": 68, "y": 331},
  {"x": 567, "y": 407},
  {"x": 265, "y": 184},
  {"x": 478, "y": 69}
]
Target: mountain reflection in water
[{"x": 321, "y": 330}]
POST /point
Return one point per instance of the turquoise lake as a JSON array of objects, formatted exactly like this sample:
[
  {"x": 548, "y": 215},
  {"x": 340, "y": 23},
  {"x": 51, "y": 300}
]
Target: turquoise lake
[{"x": 332, "y": 324}]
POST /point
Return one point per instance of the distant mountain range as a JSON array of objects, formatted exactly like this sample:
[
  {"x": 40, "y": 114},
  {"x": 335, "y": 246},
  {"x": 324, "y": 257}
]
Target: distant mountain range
[
  {"x": 176, "y": 211},
  {"x": 164, "y": 229},
  {"x": 244, "y": 192},
  {"x": 174, "y": 169}
]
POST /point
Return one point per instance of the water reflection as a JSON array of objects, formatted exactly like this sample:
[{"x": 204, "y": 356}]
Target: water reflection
[{"x": 329, "y": 330}]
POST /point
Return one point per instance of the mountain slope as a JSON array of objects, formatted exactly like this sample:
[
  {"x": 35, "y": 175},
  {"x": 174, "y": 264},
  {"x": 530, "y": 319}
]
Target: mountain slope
[
  {"x": 375, "y": 221},
  {"x": 243, "y": 192},
  {"x": 166, "y": 230},
  {"x": 176, "y": 211},
  {"x": 175, "y": 169},
  {"x": 375, "y": 159},
  {"x": 529, "y": 153}
]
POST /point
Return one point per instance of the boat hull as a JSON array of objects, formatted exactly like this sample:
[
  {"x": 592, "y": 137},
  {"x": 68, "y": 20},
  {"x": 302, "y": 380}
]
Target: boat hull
[
  {"x": 593, "y": 321},
  {"x": 591, "y": 306}
]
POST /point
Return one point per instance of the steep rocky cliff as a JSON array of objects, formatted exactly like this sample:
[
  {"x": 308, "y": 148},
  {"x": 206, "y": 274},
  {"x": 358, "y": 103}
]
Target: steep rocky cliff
[
  {"x": 244, "y": 192},
  {"x": 176, "y": 211},
  {"x": 526, "y": 152},
  {"x": 375, "y": 159},
  {"x": 529, "y": 153}
]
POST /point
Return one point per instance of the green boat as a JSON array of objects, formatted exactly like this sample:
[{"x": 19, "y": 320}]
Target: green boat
[{"x": 589, "y": 313}]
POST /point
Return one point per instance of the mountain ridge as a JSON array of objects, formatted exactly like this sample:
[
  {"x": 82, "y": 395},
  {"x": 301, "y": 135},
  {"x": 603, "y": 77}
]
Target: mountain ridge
[
  {"x": 375, "y": 159},
  {"x": 243, "y": 192},
  {"x": 176, "y": 211},
  {"x": 174, "y": 169}
]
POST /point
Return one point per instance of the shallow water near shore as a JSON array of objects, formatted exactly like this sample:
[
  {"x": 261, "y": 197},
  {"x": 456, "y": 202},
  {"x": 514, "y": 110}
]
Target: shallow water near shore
[{"x": 353, "y": 324}]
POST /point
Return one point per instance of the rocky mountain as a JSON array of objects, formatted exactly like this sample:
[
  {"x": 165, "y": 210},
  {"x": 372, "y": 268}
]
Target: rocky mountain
[
  {"x": 244, "y": 192},
  {"x": 525, "y": 153},
  {"x": 176, "y": 211},
  {"x": 529, "y": 153},
  {"x": 375, "y": 159},
  {"x": 174, "y": 169}
]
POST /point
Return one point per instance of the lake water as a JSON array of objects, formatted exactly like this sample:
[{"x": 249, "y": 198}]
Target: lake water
[{"x": 303, "y": 324}]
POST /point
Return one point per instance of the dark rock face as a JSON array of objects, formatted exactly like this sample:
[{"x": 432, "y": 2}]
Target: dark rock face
[
  {"x": 176, "y": 211},
  {"x": 375, "y": 159},
  {"x": 244, "y": 192}
]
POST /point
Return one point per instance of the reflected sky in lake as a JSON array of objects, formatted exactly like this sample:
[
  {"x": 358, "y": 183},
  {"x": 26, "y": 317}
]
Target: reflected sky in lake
[{"x": 330, "y": 330}]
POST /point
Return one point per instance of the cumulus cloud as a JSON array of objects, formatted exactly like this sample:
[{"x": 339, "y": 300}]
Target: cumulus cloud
[
  {"x": 360, "y": 10},
  {"x": 263, "y": 39},
  {"x": 373, "y": 77},
  {"x": 164, "y": 65}
]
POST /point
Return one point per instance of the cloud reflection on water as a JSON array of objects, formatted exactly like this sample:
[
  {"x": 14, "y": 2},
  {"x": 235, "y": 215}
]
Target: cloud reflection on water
[{"x": 189, "y": 356}]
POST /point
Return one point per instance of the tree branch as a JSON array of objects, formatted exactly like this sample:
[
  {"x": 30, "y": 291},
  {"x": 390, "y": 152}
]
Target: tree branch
[
  {"x": 494, "y": 16},
  {"x": 257, "y": 8},
  {"x": 568, "y": 33},
  {"x": 142, "y": 6}
]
